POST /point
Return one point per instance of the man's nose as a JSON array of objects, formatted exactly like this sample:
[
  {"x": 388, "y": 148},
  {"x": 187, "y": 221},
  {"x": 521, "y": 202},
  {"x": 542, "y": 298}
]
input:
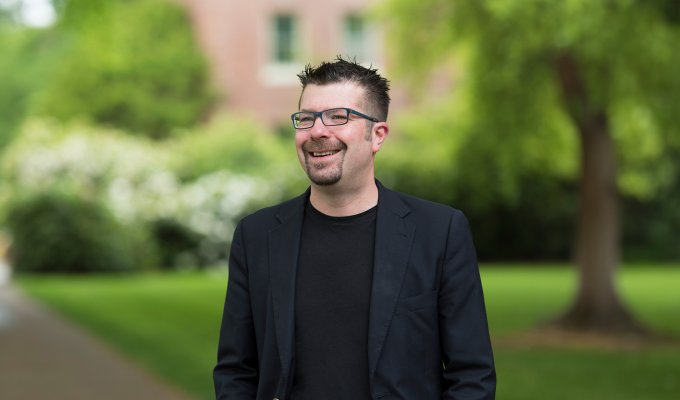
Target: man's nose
[{"x": 319, "y": 130}]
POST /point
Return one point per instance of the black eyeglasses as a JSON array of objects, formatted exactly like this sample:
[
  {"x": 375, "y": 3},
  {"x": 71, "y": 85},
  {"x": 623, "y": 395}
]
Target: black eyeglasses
[{"x": 332, "y": 117}]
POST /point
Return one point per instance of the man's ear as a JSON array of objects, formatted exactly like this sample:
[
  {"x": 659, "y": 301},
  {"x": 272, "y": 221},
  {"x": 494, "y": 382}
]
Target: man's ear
[{"x": 380, "y": 132}]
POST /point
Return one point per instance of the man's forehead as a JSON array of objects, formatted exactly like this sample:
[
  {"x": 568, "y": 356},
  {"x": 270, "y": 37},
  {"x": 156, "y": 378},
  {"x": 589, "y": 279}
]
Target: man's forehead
[{"x": 340, "y": 94}]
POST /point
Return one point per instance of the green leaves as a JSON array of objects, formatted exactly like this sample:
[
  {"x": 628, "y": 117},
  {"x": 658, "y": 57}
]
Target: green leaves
[
  {"x": 503, "y": 143},
  {"x": 131, "y": 65},
  {"x": 517, "y": 115}
]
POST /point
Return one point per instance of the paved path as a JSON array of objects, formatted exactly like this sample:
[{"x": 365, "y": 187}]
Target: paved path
[{"x": 44, "y": 357}]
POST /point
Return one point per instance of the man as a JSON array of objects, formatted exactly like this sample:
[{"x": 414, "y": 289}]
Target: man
[{"x": 352, "y": 291}]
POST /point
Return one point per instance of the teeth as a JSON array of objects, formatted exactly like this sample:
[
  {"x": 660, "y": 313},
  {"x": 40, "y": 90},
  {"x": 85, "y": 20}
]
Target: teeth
[{"x": 321, "y": 154}]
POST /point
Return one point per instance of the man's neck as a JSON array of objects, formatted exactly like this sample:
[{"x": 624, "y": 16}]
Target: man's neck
[{"x": 338, "y": 201}]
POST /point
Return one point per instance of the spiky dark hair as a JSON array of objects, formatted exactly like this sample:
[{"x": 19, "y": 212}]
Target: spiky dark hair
[{"x": 341, "y": 70}]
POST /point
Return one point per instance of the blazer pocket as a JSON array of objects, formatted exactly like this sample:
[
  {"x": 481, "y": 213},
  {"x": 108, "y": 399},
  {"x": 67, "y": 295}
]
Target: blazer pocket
[{"x": 417, "y": 302}]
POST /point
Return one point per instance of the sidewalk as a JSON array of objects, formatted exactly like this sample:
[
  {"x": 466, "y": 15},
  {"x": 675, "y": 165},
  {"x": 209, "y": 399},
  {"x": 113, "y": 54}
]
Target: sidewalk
[{"x": 44, "y": 357}]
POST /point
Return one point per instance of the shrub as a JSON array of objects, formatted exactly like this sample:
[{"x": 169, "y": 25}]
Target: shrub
[
  {"x": 177, "y": 243},
  {"x": 209, "y": 207},
  {"x": 56, "y": 232},
  {"x": 235, "y": 144},
  {"x": 161, "y": 191}
]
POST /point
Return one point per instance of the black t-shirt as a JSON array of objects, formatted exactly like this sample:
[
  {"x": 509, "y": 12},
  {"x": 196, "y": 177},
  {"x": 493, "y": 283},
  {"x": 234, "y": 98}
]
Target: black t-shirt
[{"x": 332, "y": 298}]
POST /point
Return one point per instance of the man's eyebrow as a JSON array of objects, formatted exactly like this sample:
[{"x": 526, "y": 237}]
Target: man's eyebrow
[{"x": 325, "y": 109}]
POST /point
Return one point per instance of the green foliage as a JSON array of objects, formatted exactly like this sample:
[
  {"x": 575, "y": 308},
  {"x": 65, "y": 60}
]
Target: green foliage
[
  {"x": 430, "y": 170},
  {"x": 433, "y": 155},
  {"x": 54, "y": 232},
  {"x": 26, "y": 56},
  {"x": 178, "y": 243},
  {"x": 187, "y": 309},
  {"x": 651, "y": 226},
  {"x": 241, "y": 146},
  {"x": 79, "y": 14},
  {"x": 237, "y": 144},
  {"x": 83, "y": 158},
  {"x": 509, "y": 50},
  {"x": 186, "y": 193},
  {"x": 504, "y": 146},
  {"x": 5, "y": 16},
  {"x": 130, "y": 65}
]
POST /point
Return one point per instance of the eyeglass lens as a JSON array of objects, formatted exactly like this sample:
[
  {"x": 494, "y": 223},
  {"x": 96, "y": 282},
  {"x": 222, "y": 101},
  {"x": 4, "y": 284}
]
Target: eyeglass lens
[{"x": 335, "y": 116}]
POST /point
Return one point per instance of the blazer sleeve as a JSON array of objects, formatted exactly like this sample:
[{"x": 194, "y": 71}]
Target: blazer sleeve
[
  {"x": 236, "y": 373},
  {"x": 467, "y": 356}
]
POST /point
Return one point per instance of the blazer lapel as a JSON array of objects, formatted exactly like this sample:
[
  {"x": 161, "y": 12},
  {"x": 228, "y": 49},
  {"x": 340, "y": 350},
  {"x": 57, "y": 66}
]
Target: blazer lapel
[
  {"x": 284, "y": 243},
  {"x": 393, "y": 239}
]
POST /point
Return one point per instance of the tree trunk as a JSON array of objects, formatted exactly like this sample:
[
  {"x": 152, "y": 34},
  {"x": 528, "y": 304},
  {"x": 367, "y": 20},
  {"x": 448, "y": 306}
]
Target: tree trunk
[{"x": 597, "y": 306}]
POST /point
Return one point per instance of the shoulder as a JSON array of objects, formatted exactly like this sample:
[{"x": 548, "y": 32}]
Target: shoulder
[
  {"x": 422, "y": 209},
  {"x": 268, "y": 217}
]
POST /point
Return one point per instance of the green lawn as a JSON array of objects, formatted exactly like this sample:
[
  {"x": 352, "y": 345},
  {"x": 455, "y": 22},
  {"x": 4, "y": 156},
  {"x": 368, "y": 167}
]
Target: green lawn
[
  {"x": 170, "y": 324},
  {"x": 520, "y": 297}
]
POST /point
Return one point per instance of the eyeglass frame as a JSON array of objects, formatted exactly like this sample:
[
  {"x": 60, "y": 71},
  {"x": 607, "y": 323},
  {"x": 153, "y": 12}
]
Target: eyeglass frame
[{"x": 319, "y": 115}]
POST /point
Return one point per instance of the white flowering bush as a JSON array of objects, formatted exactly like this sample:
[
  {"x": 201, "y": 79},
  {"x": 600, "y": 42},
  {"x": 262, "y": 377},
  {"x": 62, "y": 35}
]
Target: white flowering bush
[
  {"x": 83, "y": 158},
  {"x": 136, "y": 180},
  {"x": 209, "y": 206}
]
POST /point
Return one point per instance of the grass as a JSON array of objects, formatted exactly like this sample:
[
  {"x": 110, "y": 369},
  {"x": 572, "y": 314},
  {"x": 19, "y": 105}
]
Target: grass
[
  {"x": 519, "y": 298},
  {"x": 170, "y": 323}
]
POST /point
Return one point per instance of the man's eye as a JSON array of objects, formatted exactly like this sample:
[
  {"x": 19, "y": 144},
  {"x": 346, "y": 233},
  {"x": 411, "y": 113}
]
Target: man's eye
[
  {"x": 338, "y": 116},
  {"x": 305, "y": 118}
]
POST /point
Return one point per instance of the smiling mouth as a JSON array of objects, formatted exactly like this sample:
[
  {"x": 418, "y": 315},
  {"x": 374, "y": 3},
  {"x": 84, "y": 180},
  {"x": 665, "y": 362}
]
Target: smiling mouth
[{"x": 323, "y": 153}]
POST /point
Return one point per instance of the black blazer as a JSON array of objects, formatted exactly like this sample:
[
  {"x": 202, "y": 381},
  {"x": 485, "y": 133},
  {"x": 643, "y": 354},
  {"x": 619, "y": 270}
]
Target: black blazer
[{"x": 428, "y": 336}]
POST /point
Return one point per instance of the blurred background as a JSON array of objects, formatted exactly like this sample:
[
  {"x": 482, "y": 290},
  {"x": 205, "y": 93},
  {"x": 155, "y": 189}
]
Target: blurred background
[{"x": 135, "y": 134}]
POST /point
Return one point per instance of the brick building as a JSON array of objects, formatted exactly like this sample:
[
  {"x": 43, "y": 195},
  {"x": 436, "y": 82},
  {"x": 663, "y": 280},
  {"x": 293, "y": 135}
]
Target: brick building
[{"x": 256, "y": 48}]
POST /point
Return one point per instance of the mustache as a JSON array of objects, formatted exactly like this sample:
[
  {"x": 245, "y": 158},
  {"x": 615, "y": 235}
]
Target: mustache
[{"x": 322, "y": 145}]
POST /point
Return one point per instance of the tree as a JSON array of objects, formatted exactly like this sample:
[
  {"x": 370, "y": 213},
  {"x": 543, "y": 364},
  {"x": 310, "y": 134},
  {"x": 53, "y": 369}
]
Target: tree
[
  {"x": 600, "y": 66},
  {"x": 132, "y": 65}
]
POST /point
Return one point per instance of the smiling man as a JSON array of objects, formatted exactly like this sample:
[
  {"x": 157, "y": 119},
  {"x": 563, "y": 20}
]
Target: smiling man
[{"x": 352, "y": 291}]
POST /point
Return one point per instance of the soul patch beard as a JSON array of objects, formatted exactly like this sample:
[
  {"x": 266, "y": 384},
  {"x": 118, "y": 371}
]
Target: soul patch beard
[{"x": 316, "y": 173}]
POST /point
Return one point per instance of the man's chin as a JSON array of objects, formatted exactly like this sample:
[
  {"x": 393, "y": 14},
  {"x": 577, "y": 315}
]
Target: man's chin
[
  {"x": 322, "y": 174},
  {"x": 324, "y": 180}
]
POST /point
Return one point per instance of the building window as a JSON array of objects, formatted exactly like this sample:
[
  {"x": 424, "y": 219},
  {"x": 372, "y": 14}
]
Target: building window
[
  {"x": 283, "y": 52},
  {"x": 356, "y": 38},
  {"x": 284, "y": 38}
]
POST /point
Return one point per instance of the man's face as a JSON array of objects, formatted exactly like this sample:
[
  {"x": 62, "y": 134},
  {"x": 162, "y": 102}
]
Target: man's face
[{"x": 342, "y": 153}]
